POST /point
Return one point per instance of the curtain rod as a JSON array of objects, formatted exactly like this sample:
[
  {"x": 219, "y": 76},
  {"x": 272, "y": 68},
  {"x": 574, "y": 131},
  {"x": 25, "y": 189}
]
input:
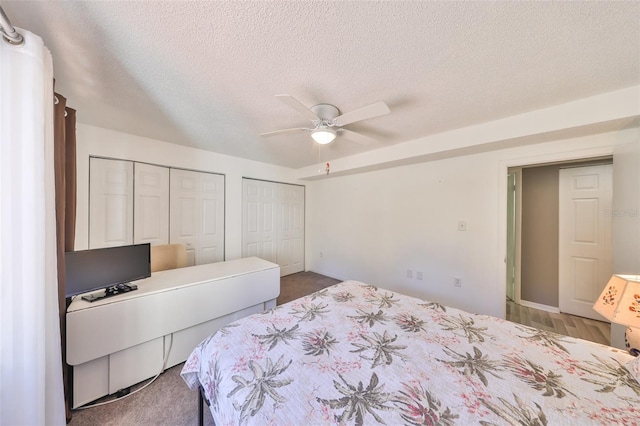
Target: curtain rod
[{"x": 9, "y": 33}]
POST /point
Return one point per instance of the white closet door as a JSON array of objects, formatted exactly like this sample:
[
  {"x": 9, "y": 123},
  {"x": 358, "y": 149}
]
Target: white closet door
[
  {"x": 197, "y": 214},
  {"x": 273, "y": 223},
  {"x": 110, "y": 203},
  {"x": 258, "y": 219},
  {"x": 151, "y": 213},
  {"x": 291, "y": 229}
]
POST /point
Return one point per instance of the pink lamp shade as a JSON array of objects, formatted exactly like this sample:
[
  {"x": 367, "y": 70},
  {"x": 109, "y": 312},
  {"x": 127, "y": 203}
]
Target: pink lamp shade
[{"x": 620, "y": 303}]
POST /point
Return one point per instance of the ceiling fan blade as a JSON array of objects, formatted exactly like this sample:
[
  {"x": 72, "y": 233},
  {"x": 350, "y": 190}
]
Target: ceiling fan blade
[
  {"x": 370, "y": 111},
  {"x": 356, "y": 137},
  {"x": 295, "y": 104},
  {"x": 278, "y": 132}
]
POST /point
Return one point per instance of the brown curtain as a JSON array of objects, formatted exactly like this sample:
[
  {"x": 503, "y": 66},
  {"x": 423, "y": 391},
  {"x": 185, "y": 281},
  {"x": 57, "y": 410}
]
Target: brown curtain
[{"x": 64, "y": 127}]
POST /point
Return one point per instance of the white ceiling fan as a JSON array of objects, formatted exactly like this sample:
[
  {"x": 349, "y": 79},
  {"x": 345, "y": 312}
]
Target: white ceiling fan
[{"x": 327, "y": 120}]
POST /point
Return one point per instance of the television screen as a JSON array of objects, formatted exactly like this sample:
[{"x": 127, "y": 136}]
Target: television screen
[{"x": 94, "y": 269}]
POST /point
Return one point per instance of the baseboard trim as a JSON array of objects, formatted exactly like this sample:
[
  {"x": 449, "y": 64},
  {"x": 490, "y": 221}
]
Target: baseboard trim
[
  {"x": 316, "y": 271},
  {"x": 540, "y": 306}
]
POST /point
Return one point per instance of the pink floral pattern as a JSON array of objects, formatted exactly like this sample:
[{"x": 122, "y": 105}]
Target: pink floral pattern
[
  {"x": 356, "y": 354},
  {"x": 634, "y": 368}
]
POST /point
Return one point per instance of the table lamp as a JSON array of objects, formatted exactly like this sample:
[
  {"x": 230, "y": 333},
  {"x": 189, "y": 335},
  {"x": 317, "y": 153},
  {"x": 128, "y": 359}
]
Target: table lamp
[{"x": 620, "y": 303}]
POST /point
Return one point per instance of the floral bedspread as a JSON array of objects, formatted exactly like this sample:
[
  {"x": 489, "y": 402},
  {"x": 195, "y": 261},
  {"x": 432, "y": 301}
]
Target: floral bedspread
[{"x": 357, "y": 354}]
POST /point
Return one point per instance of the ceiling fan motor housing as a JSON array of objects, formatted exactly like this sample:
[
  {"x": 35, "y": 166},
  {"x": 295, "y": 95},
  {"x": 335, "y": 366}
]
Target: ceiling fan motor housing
[{"x": 326, "y": 113}]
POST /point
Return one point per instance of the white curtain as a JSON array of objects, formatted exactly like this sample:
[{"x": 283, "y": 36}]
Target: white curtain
[{"x": 31, "y": 391}]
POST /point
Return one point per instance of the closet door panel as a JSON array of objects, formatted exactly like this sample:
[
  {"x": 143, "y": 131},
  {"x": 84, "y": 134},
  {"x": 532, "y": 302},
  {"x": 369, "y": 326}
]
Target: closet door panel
[
  {"x": 258, "y": 227},
  {"x": 209, "y": 217},
  {"x": 197, "y": 214},
  {"x": 210, "y": 255},
  {"x": 212, "y": 217},
  {"x": 291, "y": 228},
  {"x": 110, "y": 202},
  {"x": 151, "y": 209},
  {"x": 183, "y": 214},
  {"x": 250, "y": 219},
  {"x": 186, "y": 222}
]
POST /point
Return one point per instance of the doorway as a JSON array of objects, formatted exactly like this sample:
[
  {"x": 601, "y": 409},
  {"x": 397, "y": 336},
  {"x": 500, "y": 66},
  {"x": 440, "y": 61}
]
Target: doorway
[{"x": 534, "y": 262}]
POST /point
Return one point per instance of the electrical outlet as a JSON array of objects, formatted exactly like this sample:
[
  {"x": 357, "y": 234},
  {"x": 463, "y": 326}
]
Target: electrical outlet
[
  {"x": 409, "y": 273},
  {"x": 321, "y": 255},
  {"x": 419, "y": 275},
  {"x": 457, "y": 281}
]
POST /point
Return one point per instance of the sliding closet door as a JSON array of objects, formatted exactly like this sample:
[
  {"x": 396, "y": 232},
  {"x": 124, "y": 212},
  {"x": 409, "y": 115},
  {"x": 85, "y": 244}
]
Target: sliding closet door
[
  {"x": 110, "y": 202},
  {"x": 151, "y": 212},
  {"x": 273, "y": 223},
  {"x": 197, "y": 214}
]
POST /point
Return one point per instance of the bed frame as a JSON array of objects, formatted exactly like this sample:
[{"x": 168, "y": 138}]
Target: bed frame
[{"x": 202, "y": 399}]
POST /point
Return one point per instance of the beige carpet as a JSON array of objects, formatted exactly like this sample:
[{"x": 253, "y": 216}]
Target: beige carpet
[{"x": 167, "y": 402}]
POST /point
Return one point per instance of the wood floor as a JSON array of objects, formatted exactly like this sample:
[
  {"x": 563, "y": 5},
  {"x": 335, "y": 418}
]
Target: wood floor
[
  {"x": 303, "y": 283},
  {"x": 569, "y": 325}
]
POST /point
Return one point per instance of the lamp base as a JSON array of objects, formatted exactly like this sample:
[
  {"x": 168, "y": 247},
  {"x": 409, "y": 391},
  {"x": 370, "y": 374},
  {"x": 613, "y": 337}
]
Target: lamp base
[{"x": 632, "y": 340}]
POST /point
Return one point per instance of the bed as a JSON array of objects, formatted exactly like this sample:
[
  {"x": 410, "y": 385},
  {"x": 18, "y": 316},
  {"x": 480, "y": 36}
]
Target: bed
[{"x": 357, "y": 354}]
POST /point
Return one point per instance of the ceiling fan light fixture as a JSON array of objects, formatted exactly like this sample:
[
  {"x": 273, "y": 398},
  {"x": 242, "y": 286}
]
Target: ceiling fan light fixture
[{"x": 323, "y": 135}]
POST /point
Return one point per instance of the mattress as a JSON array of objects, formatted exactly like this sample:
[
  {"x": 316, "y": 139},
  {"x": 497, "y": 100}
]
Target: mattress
[{"x": 357, "y": 354}]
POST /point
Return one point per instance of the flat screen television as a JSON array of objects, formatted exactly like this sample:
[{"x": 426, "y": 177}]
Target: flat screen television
[{"x": 105, "y": 268}]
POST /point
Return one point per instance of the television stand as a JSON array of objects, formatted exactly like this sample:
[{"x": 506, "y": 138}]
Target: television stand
[
  {"x": 115, "y": 343},
  {"x": 114, "y": 290}
]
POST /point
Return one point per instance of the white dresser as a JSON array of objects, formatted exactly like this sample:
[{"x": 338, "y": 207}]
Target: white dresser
[{"x": 116, "y": 342}]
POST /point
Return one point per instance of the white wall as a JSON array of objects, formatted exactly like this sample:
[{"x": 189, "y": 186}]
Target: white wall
[
  {"x": 96, "y": 141},
  {"x": 374, "y": 226},
  {"x": 626, "y": 218}
]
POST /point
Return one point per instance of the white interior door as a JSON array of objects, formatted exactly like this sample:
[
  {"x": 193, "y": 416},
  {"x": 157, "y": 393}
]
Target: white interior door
[
  {"x": 197, "y": 214},
  {"x": 291, "y": 229},
  {"x": 585, "y": 237},
  {"x": 258, "y": 219},
  {"x": 151, "y": 213},
  {"x": 110, "y": 202}
]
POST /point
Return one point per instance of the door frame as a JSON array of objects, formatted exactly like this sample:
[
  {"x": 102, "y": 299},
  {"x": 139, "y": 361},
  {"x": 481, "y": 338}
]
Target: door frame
[
  {"x": 517, "y": 172},
  {"x": 584, "y": 154}
]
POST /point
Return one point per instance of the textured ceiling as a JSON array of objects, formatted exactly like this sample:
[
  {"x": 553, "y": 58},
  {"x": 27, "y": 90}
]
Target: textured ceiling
[{"x": 204, "y": 74}]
